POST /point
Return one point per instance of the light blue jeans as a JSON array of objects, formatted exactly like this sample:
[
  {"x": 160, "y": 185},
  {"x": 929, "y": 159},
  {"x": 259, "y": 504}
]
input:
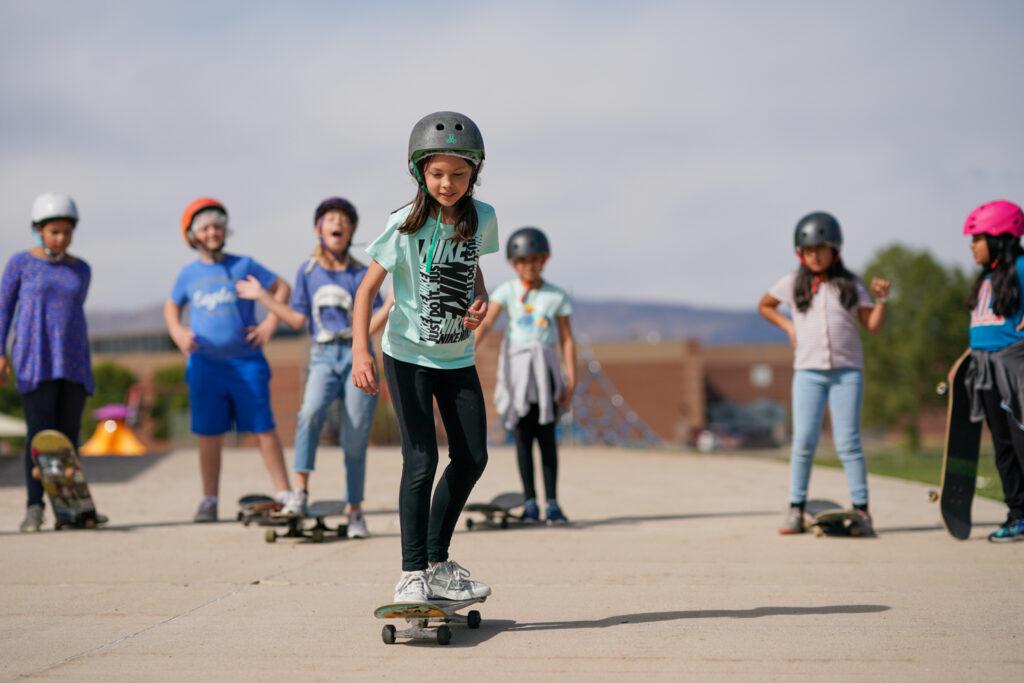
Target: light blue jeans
[
  {"x": 843, "y": 390},
  {"x": 328, "y": 378}
]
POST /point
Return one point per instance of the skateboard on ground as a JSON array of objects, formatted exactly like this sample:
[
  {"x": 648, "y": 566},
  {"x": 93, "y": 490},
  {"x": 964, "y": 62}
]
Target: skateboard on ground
[
  {"x": 427, "y": 620},
  {"x": 56, "y": 466},
  {"x": 296, "y": 524},
  {"x": 828, "y": 518},
  {"x": 960, "y": 457},
  {"x": 257, "y": 507},
  {"x": 498, "y": 512}
]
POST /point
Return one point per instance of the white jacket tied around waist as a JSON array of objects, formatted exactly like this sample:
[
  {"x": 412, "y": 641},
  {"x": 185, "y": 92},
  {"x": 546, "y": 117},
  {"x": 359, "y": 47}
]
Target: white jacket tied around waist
[{"x": 527, "y": 373}]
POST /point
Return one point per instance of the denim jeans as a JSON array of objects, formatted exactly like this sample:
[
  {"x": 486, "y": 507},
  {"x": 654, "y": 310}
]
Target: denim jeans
[
  {"x": 843, "y": 389},
  {"x": 328, "y": 378}
]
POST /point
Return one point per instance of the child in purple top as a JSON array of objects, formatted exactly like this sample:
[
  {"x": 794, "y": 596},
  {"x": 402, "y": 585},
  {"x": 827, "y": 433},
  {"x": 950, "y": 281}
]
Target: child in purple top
[{"x": 43, "y": 294}]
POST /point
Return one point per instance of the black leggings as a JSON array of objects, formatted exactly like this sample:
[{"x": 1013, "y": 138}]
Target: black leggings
[
  {"x": 1008, "y": 441},
  {"x": 55, "y": 404},
  {"x": 528, "y": 429},
  {"x": 427, "y": 526}
]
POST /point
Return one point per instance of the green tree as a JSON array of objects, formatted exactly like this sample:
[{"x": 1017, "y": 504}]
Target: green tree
[
  {"x": 112, "y": 384},
  {"x": 171, "y": 398},
  {"x": 925, "y": 331}
]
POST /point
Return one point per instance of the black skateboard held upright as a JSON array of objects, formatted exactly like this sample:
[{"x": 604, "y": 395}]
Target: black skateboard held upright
[{"x": 960, "y": 459}]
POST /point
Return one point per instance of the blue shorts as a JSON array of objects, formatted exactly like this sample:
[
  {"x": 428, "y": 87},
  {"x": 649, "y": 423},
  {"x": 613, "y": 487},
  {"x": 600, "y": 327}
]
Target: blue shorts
[{"x": 229, "y": 393}]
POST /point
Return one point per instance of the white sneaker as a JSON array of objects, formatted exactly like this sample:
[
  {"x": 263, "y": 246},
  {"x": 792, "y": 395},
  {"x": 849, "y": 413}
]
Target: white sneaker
[
  {"x": 450, "y": 581},
  {"x": 295, "y": 503},
  {"x": 412, "y": 587},
  {"x": 357, "y": 525}
]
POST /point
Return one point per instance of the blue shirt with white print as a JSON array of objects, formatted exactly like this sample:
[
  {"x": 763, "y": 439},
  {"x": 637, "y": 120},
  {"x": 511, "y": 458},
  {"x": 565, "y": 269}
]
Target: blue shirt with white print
[{"x": 218, "y": 316}]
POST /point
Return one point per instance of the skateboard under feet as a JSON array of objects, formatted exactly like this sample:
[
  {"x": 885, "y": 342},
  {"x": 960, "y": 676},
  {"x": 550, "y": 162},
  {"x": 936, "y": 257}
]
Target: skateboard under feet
[
  {"x": 427, "y": 620},
  {"x": 296, "y": 524}
]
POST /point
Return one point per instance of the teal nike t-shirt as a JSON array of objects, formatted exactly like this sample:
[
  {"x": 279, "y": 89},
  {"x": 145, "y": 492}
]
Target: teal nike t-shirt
[{"x": 425, "y": 327}]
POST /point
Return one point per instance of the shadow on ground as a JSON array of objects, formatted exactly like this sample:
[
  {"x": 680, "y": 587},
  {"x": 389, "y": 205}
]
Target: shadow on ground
[
  {"x": 104, "y": 469},
  {"x": 493, "y": 627}
]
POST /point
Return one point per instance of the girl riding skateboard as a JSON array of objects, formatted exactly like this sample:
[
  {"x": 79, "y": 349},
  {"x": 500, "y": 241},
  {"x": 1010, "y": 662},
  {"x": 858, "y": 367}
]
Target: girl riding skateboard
[
  {"x": 432, "y": 247},
  {"x": 42, "y": 295},
  {"x": 995, "y": 377},
  {"x": 322, "y": 299},
  {"x": 827, "y": 302},
  {"x": 530, "y": 387}
]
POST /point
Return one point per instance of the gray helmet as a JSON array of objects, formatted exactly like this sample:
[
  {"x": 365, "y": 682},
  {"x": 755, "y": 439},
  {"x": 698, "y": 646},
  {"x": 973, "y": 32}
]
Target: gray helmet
[
  {"x": 445, "y": 132},
  {"x": 526, "y": 242},
  {"x": 818, "y": 228}
]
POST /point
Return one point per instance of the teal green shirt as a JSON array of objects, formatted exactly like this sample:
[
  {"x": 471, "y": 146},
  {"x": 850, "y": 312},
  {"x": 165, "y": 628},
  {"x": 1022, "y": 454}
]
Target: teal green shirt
[
  {"x": 425, "y": 327},
  {"x": 532, "y": 313}
]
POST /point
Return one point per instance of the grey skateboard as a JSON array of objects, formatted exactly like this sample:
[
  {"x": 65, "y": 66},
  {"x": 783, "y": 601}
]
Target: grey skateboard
[{"x": 297, "y": 527}]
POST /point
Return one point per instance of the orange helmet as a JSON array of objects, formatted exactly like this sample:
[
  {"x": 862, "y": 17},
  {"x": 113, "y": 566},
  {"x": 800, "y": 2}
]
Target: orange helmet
[{"x": 194, "y": 207}]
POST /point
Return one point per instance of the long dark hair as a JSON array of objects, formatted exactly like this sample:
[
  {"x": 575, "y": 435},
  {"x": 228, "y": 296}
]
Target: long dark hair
[
  {"x": 1003, "y": 251},
  {"x": 466, "y": 220},
  {"x": 837, "y": 274}
]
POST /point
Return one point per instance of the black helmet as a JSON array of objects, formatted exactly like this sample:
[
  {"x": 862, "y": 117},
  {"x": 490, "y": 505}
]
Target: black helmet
[
  {"x": 445, "y": 132},
  {"x": 336, "y": 204},
  {"x": 818, "y": 228},
  {"x": 526, "y": 242}
]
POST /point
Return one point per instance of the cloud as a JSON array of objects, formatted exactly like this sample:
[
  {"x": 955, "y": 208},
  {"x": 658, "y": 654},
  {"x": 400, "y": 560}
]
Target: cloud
[{"x": 667, "y": 148}]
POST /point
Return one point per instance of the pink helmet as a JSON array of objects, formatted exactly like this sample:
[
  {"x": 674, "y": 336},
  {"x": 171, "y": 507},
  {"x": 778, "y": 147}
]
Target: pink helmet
[{"x": 995, "y": 218}]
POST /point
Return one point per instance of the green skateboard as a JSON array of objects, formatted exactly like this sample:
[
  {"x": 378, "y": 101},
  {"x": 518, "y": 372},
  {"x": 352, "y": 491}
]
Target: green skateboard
[
  {"x": 427, "y": 620},
  {"x": 56, "y": 466},
  {"x": 960, "y": 458},
  {"x": 296, "y": 524},
  {"x": 497, "y": 513}
]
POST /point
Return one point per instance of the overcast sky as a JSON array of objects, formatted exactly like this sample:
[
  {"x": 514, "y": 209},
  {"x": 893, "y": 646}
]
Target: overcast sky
[{"x": 667, "y": 149}]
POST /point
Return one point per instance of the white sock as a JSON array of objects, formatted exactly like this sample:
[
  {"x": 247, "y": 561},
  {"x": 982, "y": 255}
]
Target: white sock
[{"x": 211, "y": 500}]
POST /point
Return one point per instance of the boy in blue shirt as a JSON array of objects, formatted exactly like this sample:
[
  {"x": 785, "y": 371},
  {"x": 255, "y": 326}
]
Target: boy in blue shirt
[{"x": 227, "y": 374}]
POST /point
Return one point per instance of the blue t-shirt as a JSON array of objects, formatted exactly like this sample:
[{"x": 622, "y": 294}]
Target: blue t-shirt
[
  {"x": 219, "y": 317},
  {"x": 325, "y": 297},
  {"x": 990, "y": 332}
]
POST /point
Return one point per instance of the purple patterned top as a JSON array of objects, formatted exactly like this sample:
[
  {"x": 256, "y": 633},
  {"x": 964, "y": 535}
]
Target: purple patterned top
[{"x": 45, "y": 301}]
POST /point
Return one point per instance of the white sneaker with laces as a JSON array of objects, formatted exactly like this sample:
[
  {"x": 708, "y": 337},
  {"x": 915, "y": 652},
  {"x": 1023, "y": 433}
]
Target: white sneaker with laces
[
  {"x": 412, "y": 587},
  {"x": 357, "y": 525},
  {"x": 449, "y": 580},
  {"x": 295, "y": 503}
]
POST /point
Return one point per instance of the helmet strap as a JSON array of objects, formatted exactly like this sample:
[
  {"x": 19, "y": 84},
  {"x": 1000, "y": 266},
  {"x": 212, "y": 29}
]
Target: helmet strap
[{"x": 51, "y": 255}]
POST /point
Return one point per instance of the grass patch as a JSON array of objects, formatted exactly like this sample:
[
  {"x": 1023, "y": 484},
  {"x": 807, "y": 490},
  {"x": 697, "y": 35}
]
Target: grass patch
[{"x": 924, "y": 466}]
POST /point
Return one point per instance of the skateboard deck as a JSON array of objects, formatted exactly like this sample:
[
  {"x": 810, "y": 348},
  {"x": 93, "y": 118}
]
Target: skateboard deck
[
  {"x": 317, "y": 512},
  {"x": 960, "y": 457},
  {"x": 498, "y": 512},
  {"x": 56, "y": 466},
  {"x": 427, "y": 620},
  {"x": 257, "y": 507}
]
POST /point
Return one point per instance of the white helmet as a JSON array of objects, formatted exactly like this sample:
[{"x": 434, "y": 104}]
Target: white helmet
[{"x": 51, "y": 206}]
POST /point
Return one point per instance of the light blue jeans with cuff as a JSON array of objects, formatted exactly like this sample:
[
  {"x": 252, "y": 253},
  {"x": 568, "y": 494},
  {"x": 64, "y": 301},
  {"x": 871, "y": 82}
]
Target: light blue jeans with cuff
[
  {"x": 843, "y": 390},
  {"x": 328, "y": 378}
]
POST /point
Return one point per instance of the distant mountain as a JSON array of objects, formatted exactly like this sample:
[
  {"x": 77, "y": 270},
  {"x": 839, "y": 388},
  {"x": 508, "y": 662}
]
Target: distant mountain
[{"x": 599, "y": 320}]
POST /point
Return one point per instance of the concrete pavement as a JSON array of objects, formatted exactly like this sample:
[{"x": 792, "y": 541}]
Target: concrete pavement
[{"x": 673, "y": 569}]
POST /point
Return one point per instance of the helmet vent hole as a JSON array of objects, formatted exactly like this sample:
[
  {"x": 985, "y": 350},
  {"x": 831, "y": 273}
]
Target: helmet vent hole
[
  {"x": 440, "y": 126},
  {"x": 458, "y": 126}
]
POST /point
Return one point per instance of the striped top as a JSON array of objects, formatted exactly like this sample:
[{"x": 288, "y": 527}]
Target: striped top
[{"x": 827, "y": 335}]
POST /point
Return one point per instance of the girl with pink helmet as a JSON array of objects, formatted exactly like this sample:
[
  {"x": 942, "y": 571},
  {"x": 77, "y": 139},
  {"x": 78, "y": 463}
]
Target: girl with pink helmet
[{"x": 995, "y": 378}]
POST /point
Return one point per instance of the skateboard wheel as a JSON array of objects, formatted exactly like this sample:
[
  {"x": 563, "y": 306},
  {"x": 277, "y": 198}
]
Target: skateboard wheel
[
  {"x": 270, "y": 536},
  {"x": 855, "y": 530},
  {"x": 317, "y": 535},
  {"x": 57, "y": 526},
  {"x": 89, "y": 523},
  {"x": 473, "y": 619},
  {"x": 36, "y": 474},
  {"x": 469, "y": 524},
  {"x": 387, "y": 634},
  {"x": 343, "y": 530},
  {"x": 239, "y": 516},
  {"x": 504, "y": 523},
  {"x": 933, "y": 495},
  {"x": 819, "y": 532},
  {"x": 444, "y": 635}
]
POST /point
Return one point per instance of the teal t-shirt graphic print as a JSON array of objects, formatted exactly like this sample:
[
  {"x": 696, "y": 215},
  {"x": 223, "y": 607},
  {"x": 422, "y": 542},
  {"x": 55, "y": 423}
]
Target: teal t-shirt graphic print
[{"x": 426, "y": 325}]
